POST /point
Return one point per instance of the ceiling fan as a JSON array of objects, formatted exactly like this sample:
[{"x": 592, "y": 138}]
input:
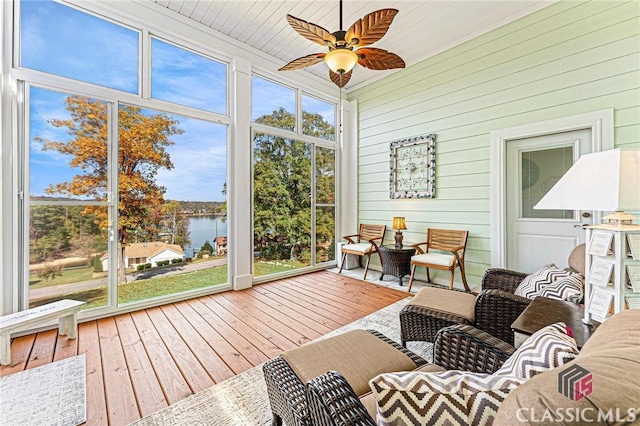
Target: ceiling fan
[{"x": 341, "y": 57}]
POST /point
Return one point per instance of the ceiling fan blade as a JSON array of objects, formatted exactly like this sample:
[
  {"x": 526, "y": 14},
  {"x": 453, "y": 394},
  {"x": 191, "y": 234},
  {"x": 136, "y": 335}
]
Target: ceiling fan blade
[
  {"x": 303, "y": 62},
  {"x": 378, "y": 59},
  {"x": 371, "y": 28},
  {"x": 311, "y": 31},
  {"x": 340, "y": 79}
]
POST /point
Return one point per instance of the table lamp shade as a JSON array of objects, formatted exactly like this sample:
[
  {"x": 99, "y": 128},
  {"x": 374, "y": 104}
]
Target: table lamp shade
[
  {"x": 399, "y": 223},
  {"x": 602, "y": 181}
]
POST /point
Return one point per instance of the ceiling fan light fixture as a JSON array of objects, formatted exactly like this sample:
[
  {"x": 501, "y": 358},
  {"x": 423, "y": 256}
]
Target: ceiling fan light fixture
[{"x": 341, "y": 60}]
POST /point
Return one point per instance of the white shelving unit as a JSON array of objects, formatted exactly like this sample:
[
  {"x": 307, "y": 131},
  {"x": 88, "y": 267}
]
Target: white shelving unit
[{"x": 606, "y": 273}]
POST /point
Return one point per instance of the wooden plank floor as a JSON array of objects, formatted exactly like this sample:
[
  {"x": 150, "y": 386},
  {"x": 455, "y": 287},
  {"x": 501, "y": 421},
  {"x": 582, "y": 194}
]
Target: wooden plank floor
[{"x": 140, "y": 362}]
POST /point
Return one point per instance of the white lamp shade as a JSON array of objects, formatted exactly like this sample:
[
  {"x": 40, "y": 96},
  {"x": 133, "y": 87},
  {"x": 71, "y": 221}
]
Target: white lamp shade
[{"x": 603, "y": 181}]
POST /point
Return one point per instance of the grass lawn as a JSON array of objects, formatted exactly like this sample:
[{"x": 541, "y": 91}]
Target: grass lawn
[
  {"x": 69, "y": 276},
  {"x": 150, "y": 287}
]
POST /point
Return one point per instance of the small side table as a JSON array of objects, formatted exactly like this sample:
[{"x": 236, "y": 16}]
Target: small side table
[
  {"x": 396, "y": 261},
  {"x": 543, "y": 311}
]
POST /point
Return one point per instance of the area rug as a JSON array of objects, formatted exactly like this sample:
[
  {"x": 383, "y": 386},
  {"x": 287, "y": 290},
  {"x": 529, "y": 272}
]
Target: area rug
[
  {"x": 54, "y": 394},
  {"x": 242, "y": 400}
]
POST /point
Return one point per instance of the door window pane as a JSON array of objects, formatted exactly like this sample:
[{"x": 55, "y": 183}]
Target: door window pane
[
  {"x": 186, "y": 78},
  {"x": 67, "y": 42},
  {"x": 540, "y": 170},
  {"x": 67, "y": 251},
  {"x": 272, "y": 104},
  {"x": 68, "y": 146},
  {"x": 172, "y": 169},
  {"x": 282, "y": 204},
  {"x": 318, "y": 118}
]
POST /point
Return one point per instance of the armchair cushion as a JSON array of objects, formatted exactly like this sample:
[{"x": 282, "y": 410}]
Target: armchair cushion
[
  {"x": 452, "y": 397},
  {"x": 530, "y": 287},
  {"x": 546, "y": 349},
  {"x": 434, "y": 259},
  {"x": 361, "y": 248}
]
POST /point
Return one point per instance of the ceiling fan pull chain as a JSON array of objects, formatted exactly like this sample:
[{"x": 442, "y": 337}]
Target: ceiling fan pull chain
[{"x": 340, "y": 15}]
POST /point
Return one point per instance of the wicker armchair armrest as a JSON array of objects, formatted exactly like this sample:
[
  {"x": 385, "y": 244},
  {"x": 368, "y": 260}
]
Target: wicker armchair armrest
[
  {"x": 464, "y": 347},
  {"x": 332, "y": 402},
  {"x": 286, "y": 392},
  {"x": 502, "y": 279},
  {"x": 496, "y": 310}
]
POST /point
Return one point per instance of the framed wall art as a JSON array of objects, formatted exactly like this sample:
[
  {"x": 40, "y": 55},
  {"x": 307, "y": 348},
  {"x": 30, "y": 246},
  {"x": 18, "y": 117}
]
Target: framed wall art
[{"x": 413, "y": 167}]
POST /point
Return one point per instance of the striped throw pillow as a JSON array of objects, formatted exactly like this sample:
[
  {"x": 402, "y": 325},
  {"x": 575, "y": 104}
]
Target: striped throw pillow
[
  {"x": 452, "y": 397},
  {"x": 546, "y": 349},
  {"x": 569, "y": 288},
  {"x": 532, "y": 284}
]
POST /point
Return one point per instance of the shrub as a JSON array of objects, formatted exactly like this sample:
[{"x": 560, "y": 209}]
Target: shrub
[
  {"x": 177, "y": 260},
  {"x": 188, "y": 260},
  {"x": 97, "y": 264},
  {"x": 162, "y": 262},
  {"x": 49, "y": 271},
  {"x": 147, "y": 265},
  {"x": 140, "y": 267}
]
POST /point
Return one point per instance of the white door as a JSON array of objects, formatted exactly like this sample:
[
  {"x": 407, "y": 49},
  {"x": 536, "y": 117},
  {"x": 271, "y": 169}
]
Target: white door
[{"x": 539, "y": 237}]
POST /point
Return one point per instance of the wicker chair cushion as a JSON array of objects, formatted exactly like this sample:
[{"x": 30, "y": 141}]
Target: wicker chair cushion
[
  {"x": 356, "y": 354},
  {"x": 546, "y": 349},
  {"x": 357, "y": 248},
  {"x": 532, "y": 284},
  {"x": 433, "y": 259},
  {"x": 569, "y": 288},
  {"x": 444, "y": 300},
  {"x": 452, "y": 397}
]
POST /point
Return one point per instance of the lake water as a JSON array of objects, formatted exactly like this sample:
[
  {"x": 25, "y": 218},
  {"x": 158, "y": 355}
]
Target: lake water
[{"x": 202, "y": 228}]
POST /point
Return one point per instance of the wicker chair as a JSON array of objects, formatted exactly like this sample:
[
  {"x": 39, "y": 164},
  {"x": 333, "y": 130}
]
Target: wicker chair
[
  {"x": 364, "y": 243},
  {"x": 332, "y": 402},
  {"x": 495, "y": 308},
  {"x": 287, "y": 391}
]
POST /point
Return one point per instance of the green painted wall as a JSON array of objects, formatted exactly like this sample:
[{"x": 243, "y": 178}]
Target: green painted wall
[{"x": 568, "y": 58}]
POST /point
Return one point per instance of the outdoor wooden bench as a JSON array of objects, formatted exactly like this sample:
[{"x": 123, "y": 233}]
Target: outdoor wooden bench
[{"x": 66, "y": 311}]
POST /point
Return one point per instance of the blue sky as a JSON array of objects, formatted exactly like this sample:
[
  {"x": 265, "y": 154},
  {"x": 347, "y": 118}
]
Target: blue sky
[{"x": 61, "y": 40}]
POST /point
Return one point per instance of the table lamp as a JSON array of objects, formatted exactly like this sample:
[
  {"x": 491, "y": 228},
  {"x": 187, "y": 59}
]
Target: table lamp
[
  {"x": 399, "y": 225},
  {"x": 603, "y": 181}
]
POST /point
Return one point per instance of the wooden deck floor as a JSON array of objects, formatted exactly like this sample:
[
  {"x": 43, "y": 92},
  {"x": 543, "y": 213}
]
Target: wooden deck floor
[{"x": 140, "y": 362}]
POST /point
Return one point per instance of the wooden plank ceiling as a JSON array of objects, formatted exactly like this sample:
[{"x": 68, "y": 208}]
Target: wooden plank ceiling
[{"x": 421, "y": 28}]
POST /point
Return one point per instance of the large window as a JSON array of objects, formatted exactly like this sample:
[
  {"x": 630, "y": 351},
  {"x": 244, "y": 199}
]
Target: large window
[
  {"x": 126, "y": 190},
  {"x": 60, "y": 40},
  {"x": 293, "y": 179}
]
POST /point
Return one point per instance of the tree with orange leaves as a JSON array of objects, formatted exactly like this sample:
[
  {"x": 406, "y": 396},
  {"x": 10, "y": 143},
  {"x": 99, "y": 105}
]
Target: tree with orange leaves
[{"x": 142, "y": 151}]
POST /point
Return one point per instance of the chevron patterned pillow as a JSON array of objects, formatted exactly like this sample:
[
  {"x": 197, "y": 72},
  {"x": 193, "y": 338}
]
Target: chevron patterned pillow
[
  {"x": 532, "y": 284},
  {"x": 546, "y": 349},
  {"x": 569, "y": 288},
  {"x": 452, "y": 397}
]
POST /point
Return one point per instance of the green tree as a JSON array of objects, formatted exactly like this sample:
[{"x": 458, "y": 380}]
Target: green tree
[
  {"x": 206, "y": 247},
  {"x": 48, "y": 233},
  {"x": 282, "y": 187}
]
